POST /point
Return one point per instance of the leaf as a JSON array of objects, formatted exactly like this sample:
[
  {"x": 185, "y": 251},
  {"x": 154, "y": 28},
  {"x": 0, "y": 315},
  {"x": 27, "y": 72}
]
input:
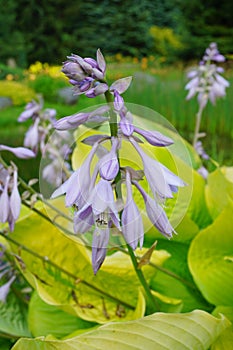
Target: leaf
[
  {"x": 219, "y": 190},
  {"x": 195, "y": 330},
  {"x": 13, "y": 317},
  {"x": 181, "y": 286},
  {"x": 210, "y": 261},
  {"x": 225, "y": 340},
  {"x": 44, "y": 319},
  {"x": 69, "y": 282}
]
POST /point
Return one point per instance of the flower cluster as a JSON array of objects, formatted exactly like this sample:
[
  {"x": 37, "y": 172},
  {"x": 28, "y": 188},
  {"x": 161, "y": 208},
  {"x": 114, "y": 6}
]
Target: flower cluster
[
  {"x": 10, "y": 200},
  {"x": 95, "y": 196},
  {"x": 206, "y": 80},
  {"x": 37, "y": 138},
  {"x": 36, "y": 135},
  {"x": 86, "y": 74}
]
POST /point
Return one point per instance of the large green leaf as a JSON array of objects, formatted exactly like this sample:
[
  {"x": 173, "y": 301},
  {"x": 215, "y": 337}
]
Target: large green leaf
[
  {"x": 13, "y": 317},
  {"x": 193, "y": 331},
  {"x": 219, "y": 190},
  {"x": 44, "y": 319},
  {"x": 178, "y": 282},
  {"x": 113, "y": 294},
  {"x": 210, "y": 259},
  {"x": 225, "y": 340}
]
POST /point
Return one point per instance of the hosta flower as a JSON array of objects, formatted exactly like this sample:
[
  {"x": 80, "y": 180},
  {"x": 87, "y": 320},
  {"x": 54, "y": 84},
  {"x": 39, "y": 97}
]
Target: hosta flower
[
  {"x": 86, "y": 74},
  {"x": 78, "y": 185},
  {"x": 5, "y": 289},
  {"x": 75, "y": 120},
  {"x": 156, "y": 213},
  {"x": 10, "y": 201},
  {"x": 32, "y": 110},
  {"x": 205, "y": 80},
  {"x": 109, "y": 164},
  {"x": 43, "y": 120},
  {"x": 97, "y": 199},
  {"x": 99, "y": 247},
  {"x": 132, "y": 226},
  {"x": 161, "y": 180},
  {"x": 19, "y": 152}
]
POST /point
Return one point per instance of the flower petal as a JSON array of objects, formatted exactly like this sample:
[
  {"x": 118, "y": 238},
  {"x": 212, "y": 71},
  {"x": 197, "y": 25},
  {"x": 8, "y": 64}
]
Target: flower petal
[
  {"x": 20, "y": 152},
  {"x": 99, "y": 247},
  {"x": 15, "y": 200}
]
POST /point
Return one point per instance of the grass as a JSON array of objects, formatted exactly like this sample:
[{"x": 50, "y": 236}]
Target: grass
[{"x": 162, "y": 91}]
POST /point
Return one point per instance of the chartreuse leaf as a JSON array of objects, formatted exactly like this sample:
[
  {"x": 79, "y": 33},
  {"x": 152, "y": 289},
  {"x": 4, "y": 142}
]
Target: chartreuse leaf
[
  {"x": 58, "y": 266},
  {"x": 160, "y": 331},
  {"x": 225, "y": 340},
  {"x": 44, "y": 319},
  {"x": 210, "y": 259},
  {"x": 219, "y": 190},
  {"x": 13, "y": 317},
  {"x": 178, "y": 282}
]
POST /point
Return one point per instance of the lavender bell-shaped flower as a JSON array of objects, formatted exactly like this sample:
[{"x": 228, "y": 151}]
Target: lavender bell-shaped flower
[
  {"x": 99, "y": 247},
  {"x": 32, "y": 110},
  {"x": 75, "y": 120},
  {"x": 156, "y": 213},
  {"x": 161, "y": 180},
  {"x": 100, "y": 208},
  {"x": 5, "y": 289},
  {"x": 109, "y": 164},
  {"x": 77, "y": 187},
  {"x": 19, "y": 152},
  {"x": 132, "y": 225},
  {"x": 205, "y": 80},
  {"x": 155, "y": 138},
  {"x": 9, "y": 204}
]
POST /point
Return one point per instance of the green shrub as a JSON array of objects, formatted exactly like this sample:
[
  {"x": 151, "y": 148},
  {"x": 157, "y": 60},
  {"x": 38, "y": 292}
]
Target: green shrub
[
  {"x": 166, "y": 42},
  {"x": 47, "y": 86},
  {"x": 15, "y": 72}
]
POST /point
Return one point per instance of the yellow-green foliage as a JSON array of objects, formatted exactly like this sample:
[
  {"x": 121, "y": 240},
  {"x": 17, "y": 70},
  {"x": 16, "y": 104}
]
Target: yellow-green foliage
[
  {"x": 18, "y": 92},
  {"x": 165, "y": 40},
  {"x": 38, "y": 68}
]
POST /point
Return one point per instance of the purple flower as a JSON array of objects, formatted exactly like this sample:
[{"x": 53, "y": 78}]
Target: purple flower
[
  {"x": 161, "y": 180},
  {"x": 75, "y": 120},
  {"x": 156, "y": 213},
  {"x": 126, "y": 126},
  {"x": 19, "y": 152},
  {"x": 10, "y": 204},
  {"x": 32, "y": 110},
  {"x": 86, "y": 74},
  {"x": 118, "y": 101},
  {"x": 212, "y": 54},
  {"x": 132, "y": 226},
  {"x": 31, "y": 139},
  {"x": 5, "y": 289},
  {"x": 155, "y": 138},
  {"x": 98, "y": 89},
  {"x": 99, "y": 247},
  {"x": 108, "y": 164},
  {"x": 99, "y": 208},
  {"x": 205, "y": 80}
]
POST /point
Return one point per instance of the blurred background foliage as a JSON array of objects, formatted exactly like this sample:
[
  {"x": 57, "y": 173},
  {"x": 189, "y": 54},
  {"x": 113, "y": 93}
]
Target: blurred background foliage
[{"x": 48, "y": 30}]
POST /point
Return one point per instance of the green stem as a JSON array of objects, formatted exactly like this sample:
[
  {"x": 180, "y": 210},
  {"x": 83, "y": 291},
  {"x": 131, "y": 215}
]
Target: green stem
[
  {"x": 112, "y": 114},
  {"x": 197, "y": 126},
  {"x": 152, "y": 306},
  {"x": 151, "y": 302}
]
